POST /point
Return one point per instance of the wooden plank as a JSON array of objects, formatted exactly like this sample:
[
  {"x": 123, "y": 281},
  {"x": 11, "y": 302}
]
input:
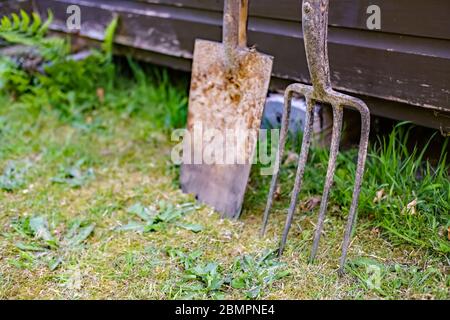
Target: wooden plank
[
  {"x": 409, "y": 17},
  {"x": 379, "y": 107},
  {"x": 391, "y": 109},
  {"x": 367, "y": 63},
  {"x": 9, "y": 6}
]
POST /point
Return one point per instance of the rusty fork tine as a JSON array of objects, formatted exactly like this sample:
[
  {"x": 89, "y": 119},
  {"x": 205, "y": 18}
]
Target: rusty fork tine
[
  {"x": 362, "y": 156},
  {"x": 300, "y": 170},
  {"x": 334, "y": 150},
  {"x": 283, "y": 136}
]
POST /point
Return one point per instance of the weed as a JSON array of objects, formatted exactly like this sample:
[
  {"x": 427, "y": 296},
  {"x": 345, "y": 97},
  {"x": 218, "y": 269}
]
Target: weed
[
  {"x": 255, "y": 273},
  {"x": 198, "y": 278},
  {"x": 386, "y": 279},
  {"x": 76, "y": 88},
  {"x": 154, "y": 94},
  {"x": 65, "y": 84},
  {"x": 252, "y": 274},
  {"x": 13, "y": 177},
  {"x": 41, "y": 245},
  {"x": 156, "y": 218},
  {"x": 74, "y": 176}
]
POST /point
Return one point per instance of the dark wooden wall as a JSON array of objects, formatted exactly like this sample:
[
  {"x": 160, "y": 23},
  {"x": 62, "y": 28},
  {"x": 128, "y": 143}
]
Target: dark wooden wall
[
  {"x": 7, "y": 6},
  {"x": 402, "y": 71}
]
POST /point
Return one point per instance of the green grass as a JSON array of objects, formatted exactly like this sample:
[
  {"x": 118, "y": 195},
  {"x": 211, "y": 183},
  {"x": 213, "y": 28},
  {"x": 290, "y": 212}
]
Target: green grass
[
  {"x": 90, "y": 206},
  {"x": 90, "y": 172}
]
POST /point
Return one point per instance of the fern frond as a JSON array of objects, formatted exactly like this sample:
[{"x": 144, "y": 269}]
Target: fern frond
[
  {"x": 42, "y": 31},
  {"x": 25, "y": 23},
  {"x": 30, "y": 31},
  {"x": 11, "y": 78},
  {"x": 24, "y": 29},
  {"x": 37, "y": 23}
]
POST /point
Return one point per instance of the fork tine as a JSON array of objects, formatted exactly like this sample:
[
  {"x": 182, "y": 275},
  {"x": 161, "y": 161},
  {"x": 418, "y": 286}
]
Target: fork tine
[
  {"x": 334, "y": 150},
  {"x": 284, "y": 131},
  {"x": 362, "y": 155},
  {"x": 300, "y": 171}
]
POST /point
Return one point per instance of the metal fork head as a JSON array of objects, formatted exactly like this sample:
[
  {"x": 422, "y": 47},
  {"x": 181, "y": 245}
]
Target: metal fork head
[{"x": 315, "y": 24}]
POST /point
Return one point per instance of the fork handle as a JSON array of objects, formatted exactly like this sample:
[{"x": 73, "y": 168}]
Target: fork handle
[{"x": 315, "y": 33}]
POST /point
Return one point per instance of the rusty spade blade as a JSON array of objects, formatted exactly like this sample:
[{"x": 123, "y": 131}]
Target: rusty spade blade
[
  {"x": 315, "y": 30},
  {"x": 228, "y": 90}
]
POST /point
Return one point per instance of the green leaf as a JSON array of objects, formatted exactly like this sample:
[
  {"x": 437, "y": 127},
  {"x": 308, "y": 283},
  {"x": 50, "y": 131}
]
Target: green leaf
[
  {"x": 37, "y": 22},
  {"x": 25, "y": 21},
  {"x": 131, "y": 226},
  {"x": 196, "y": 228},
  {"x": 44, "y": 28},
  {"x": 24, "y": 255},
  {"x": 74, "y": 176},
  {"x": 16, "y": 21},
  {"x": 30, "y": 247},
  {"x": 39, "y": 226},
  {"x": 195, "y": 255},
  {"x": 153, "y": 227},
  {"x": 73, "y": 229},
  {"x": 13, "y": 176},
  {"x": 54, "y": 263},
  {"x": 170, "y": 214},
  {"x": 190, "y": 277},
  {"x": 282, "y": 274},
  {"x": 253, "y": 293},
  {"x": 238, "y": 283},
  {"x": 80, "y": 236},
  {"x": 141, "y": 211},
  {"x": 6, "y": 24},
  {"x": 215, "y": 283},
  {"x": 110, "y": 32}
]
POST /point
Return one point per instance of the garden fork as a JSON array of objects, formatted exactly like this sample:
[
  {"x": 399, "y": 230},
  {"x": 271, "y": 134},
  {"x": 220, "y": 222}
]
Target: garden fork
[{"x": 315, "y": 31}]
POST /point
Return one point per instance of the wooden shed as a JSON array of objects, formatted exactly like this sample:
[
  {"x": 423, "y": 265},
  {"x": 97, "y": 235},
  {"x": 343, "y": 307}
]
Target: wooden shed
[{"x": 402, "y": 71}]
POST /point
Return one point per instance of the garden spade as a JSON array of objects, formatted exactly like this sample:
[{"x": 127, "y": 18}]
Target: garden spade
[{"x": 228, "y": 91}]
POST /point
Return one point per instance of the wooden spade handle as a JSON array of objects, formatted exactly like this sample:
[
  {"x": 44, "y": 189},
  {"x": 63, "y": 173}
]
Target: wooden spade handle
[
  {"x": 243, "y": 23},
  {"x": 235, "y": 19}
]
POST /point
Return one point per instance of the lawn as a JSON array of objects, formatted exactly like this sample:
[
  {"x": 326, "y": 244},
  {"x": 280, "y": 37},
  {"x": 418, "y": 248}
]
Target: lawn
[{"x": 90, "y": 205}]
